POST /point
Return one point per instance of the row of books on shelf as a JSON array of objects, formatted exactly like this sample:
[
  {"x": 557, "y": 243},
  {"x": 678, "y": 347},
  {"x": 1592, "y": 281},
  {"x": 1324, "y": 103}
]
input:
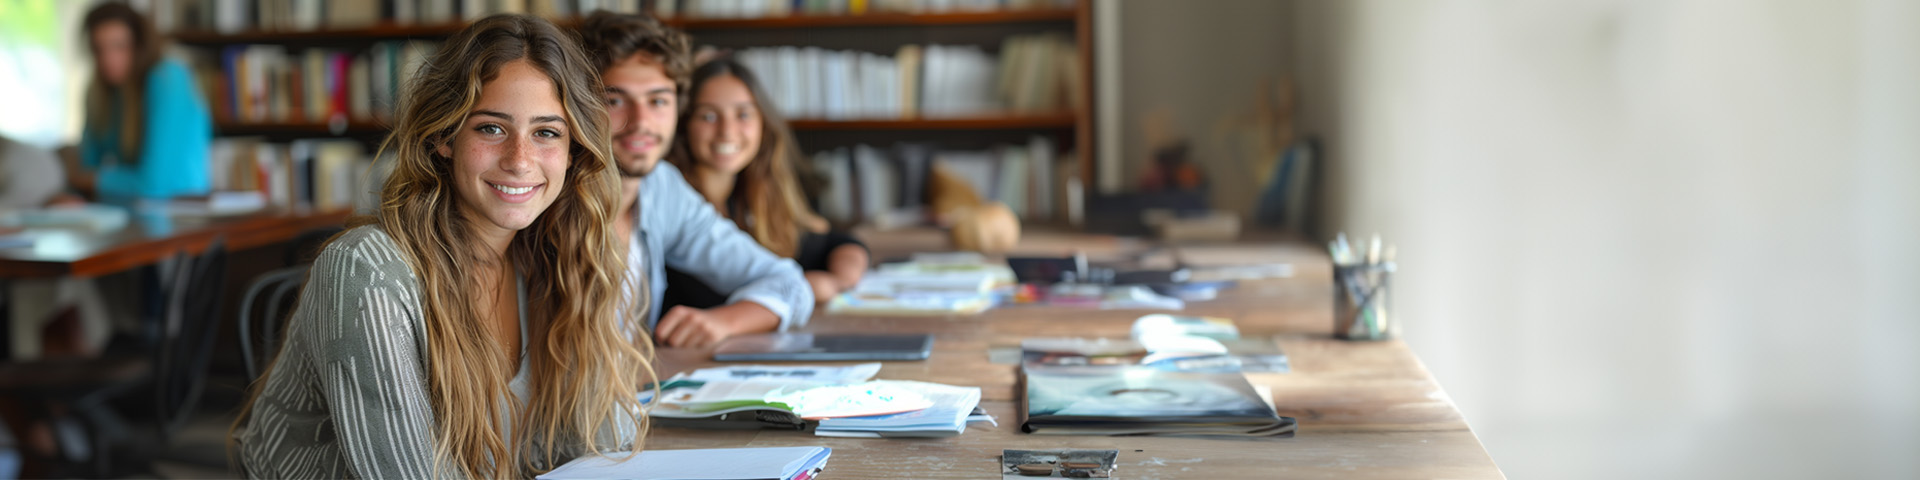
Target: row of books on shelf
[
  {"x": 269, "y": 83},
  {"x": 782, "y": 8},
  {"x": 326, "y": 174},
  {"x": 238, "y": 16},
  {"x": 1032, "y": 73},
  {"x": 866, "y": 183}
]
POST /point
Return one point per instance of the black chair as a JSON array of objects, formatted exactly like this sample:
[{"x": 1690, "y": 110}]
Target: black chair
[
  {"x": 270, "y": 298},
  {"x": 260, "y": 327},
  {"x": 173, "y": 375}
]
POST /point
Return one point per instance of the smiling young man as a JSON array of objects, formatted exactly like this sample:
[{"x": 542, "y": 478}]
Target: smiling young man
[{"x": 645, "y": 67}]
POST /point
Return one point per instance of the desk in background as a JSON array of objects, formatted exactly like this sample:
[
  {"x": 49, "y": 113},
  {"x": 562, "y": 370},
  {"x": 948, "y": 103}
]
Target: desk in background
[
  {"x": 57, "y": 253},
  {"x": 1366, "y": 409},
  {"x": 65, "y": 252}
]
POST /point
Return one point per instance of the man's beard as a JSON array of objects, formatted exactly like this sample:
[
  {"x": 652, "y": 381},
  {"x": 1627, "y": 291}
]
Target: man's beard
[{"x": 637, "y": 171}]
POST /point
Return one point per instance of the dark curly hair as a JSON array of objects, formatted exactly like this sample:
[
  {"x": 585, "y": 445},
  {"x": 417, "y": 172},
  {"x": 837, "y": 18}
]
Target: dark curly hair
[{"x": 611, "y": 37}]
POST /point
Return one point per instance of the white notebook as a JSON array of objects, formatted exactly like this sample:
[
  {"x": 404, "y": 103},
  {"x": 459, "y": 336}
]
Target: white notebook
[{"x": 772, "y": 463}]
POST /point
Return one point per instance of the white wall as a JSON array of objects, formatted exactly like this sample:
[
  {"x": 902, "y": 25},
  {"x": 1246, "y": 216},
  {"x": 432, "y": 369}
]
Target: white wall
[
  {"x": 1642, "y": 239},
  {"x": 43, "y": 71}
]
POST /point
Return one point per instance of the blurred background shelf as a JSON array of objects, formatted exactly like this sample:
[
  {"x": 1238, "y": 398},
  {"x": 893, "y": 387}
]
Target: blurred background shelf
[
  {"x": 397, "y": 31},
  {"x": 1040, "y": 121},
  {"x": 988, "y": 122}
]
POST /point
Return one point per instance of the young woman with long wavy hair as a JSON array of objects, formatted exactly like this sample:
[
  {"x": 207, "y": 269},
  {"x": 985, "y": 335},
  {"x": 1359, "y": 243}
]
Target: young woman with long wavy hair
[
  {"x": 737, "y": 152},
  {"x": 405, "y": 357},
  {"x": 148, "y": 131}
]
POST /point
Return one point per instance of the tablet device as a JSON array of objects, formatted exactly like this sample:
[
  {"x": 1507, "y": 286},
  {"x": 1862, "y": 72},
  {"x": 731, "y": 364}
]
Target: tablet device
[
  {"x": 809, "y": 347},
  {"x": 1046, "y": 270}
]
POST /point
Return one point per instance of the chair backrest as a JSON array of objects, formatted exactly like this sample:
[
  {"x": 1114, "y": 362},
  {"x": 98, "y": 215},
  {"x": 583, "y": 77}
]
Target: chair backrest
[
  {"x": 273, "y": 292},
  {"x": 308, "y": 245},
  {"x": 186, "y": 346}
]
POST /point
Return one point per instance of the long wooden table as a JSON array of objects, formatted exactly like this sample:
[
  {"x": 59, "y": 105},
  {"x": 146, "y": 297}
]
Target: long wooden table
[
  {"x": 64, "y": 252},
  {"x": 1366, "y": 409}
]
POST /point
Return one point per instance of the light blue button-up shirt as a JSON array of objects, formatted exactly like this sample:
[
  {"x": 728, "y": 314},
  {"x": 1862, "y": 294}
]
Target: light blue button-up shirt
[{"x": 680, "y": 229}]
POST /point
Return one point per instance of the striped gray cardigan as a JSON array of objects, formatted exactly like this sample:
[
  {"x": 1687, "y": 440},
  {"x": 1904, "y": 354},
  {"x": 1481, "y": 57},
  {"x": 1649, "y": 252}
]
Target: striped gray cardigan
[{"x": 347, "y": 397}]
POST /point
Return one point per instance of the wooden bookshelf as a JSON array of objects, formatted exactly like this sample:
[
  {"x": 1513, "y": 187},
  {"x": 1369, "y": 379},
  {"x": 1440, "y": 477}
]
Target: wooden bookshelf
[{"x": 879, "y": 32}]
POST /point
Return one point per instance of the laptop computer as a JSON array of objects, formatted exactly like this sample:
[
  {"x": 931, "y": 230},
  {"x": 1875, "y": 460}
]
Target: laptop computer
[{"x": 809, "y": 347}]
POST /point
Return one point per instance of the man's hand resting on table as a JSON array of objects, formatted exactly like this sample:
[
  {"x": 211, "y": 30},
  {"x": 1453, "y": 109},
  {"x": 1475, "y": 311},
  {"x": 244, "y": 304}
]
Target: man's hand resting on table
[{"x": 690, "y": 327}]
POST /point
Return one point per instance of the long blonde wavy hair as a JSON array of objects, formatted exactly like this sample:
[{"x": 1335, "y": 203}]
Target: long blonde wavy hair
[{"x": 587, "y": 361}]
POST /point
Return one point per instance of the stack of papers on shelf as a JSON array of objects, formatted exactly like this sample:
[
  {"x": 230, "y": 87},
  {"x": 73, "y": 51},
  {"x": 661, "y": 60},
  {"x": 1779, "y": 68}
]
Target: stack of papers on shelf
[
  {"x": 218, "y": 203},
  {"x": 1135, "y": 400},
  {"x": 951, "y": 408},
  {"x": 93, "y": 218},
  {"x": 775, "y": 463}
]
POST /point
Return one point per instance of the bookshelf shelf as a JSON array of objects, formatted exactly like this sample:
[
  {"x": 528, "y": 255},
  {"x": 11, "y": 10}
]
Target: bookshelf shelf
[
  {"x": 878, "y": 20},
  {"x": 1063, "y": 120},
  {"x": 229, "y": 127},
  {"x": 385, "y": 31},
  {"x": 389, "y": 31},
  {"x": 991, "y": 122}
]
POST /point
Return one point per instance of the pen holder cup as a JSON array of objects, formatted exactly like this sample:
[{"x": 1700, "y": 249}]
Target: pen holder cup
[{"x": 1362, "y": 300}]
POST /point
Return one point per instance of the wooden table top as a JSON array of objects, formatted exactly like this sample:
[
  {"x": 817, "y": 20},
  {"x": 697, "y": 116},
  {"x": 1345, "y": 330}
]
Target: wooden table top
[
  {"x": 1366, "y": 409},
  {"x": 67, "y": 252}
]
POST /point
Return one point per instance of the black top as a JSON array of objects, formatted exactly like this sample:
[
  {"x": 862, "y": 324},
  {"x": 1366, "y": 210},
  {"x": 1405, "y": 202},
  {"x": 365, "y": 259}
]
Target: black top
[{"x": 816, "y": 250}]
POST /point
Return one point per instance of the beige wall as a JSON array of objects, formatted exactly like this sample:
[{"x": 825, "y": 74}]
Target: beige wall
[
  {"x": 1197, "y": 63},
  {"x": 1643, "y": 239},
  {"x": 1638, "y": 238}
]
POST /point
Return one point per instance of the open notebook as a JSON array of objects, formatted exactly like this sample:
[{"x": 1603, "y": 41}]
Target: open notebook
[{"x": 772, "y": 463}]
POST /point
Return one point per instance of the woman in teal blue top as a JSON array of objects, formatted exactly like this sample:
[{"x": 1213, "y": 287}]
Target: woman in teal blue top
[{"x": 147, "y": 131}]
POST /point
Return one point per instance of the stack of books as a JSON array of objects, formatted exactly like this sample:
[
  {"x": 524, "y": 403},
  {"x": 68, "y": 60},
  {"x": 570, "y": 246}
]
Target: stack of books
[
  {"x": 937, "y": 284},
  {"x": 831, "y": 401}
]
